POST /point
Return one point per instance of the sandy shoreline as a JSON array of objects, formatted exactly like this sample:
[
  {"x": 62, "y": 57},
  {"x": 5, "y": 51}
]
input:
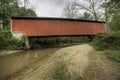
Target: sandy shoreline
[{"x": 8, "y": 52}]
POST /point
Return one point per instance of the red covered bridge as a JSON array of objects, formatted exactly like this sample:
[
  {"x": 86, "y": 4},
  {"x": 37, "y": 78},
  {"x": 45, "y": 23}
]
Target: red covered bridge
[{"x": 31, "y": 26}]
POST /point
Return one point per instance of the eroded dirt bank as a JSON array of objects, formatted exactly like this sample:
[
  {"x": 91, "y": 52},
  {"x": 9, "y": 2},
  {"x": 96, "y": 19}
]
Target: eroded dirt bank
[{"x": 83, "y": 60}]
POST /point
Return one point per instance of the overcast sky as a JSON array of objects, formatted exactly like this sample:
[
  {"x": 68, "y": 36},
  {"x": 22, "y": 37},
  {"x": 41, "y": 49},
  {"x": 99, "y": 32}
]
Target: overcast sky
[{"x": 49, "y": 8}]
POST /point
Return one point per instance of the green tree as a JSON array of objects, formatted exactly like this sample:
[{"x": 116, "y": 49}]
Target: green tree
[
  {"x": 114, "y": 11},
  {"x": 86, "y": 16},
  {"x": 106, "y": 14},
  {"x": 9, "y": 8},
  {"x": 23, "y": 12}
]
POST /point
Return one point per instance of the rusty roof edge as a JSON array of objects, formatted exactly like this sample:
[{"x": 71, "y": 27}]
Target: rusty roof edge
[{"x": 54, "y": 18}]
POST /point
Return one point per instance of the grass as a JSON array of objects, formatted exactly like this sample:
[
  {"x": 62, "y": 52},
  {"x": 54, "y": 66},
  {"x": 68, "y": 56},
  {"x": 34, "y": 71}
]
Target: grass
[
  {"x": 113, "y": 54},
  {"x": 61, "y": 73}
]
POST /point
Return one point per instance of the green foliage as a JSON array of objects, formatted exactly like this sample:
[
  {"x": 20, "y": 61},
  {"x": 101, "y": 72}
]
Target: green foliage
[
  {"x": 7, "y": 9},
  {"x": 115, "y": 23},
  {"x": 52, "y": 41},
  {"x": 86, "y": 16},
  {"x": 10, "y": 8},
  {"x": 114, "y": 12},
  {"x": 7, "y": 41},
  {"x": 107, "y": 41},
  {"x": 25, "y": 12},
  {"x": 61, "y": 73},
  {"x": 115, "y": 55}
]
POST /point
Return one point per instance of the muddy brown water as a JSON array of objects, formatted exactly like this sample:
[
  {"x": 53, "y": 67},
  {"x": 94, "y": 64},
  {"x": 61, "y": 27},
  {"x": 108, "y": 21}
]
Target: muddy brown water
[{"x": 12, "y": 63}]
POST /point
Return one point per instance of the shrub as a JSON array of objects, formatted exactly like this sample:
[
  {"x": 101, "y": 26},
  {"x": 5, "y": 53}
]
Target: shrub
[
  {"x": 61, "y": 73},
  {"x": 115, "y": 55},
  {"x": 7, "y": 41},
  {"x": 52, "y": 41},
  {"x": 107, "y": 41}
]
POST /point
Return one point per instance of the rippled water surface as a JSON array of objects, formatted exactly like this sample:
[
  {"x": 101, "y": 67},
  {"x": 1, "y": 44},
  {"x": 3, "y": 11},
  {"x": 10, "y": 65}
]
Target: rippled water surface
[{"x": 12, "y": 63}]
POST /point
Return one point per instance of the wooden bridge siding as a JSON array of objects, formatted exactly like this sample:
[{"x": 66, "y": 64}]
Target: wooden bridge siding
[{"x": 56, "y": 27}]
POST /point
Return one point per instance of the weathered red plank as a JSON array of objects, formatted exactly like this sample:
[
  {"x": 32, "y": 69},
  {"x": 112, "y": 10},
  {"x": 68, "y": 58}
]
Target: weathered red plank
[{"x": 49, "y": 27}]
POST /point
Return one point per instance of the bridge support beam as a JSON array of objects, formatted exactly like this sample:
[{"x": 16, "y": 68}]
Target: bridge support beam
[{"x": 27, "y": 43}]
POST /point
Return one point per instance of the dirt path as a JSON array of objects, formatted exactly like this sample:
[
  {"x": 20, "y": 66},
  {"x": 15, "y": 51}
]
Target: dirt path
[
  {"x": 83, "y": 60},
  {"x": 102, "y": 68}
]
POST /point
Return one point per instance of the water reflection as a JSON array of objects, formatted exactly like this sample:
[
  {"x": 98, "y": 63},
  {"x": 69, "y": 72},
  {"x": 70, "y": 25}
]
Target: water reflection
[{"x": 12, "y": 63}]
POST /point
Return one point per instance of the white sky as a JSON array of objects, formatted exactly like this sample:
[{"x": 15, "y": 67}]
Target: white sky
[{"x": 49, "y": 8}]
